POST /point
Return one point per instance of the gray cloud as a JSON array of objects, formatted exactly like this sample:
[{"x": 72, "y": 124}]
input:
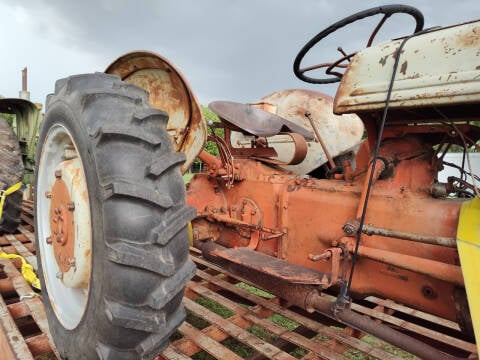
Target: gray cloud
[{"x": 239, "y": 50}]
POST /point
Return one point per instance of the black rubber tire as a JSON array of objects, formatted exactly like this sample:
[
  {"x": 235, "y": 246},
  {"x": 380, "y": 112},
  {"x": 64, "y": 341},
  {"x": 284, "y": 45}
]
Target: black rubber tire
[
  {"x": 139, "y": 265},
  {"x": 11, "y": 172}
]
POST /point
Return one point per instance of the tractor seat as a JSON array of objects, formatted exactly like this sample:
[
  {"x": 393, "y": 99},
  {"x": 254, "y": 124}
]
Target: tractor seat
[{"x": 251, "y": 120}]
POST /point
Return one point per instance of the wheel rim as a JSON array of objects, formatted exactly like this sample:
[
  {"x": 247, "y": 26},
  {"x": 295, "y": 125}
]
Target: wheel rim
[{"x": 64, "y": 237}]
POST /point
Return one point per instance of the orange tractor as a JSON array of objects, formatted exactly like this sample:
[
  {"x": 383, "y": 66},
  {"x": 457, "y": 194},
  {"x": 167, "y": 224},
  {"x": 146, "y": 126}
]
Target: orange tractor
[{"x": 309, "y": 194}]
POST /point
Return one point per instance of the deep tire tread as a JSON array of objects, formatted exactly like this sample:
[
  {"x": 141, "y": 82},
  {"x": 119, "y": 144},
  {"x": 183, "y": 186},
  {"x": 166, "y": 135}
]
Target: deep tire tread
[
  {"x": 107, "y": 132},
  {"x": 139, "y": 192},
  {"x": 144, "y": 115},
  {"x": 147, "y": 257},
  {"x": 148, "y": 348},
  {"x": 168, "y": 289},
  {"x": 167, "y": 228},
  {"x": 141, "y": 305},
  {"x": 163, "y": 163},
  {"x": 131, "y": 318}
]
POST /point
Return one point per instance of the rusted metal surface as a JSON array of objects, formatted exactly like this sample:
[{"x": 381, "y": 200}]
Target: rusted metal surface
[
  {"x": 317, "y": 338},
  {"x": 62, "y": 224},
  {"x": 351, "y": 318},
  {"x": 266, "y": 275},
  {"x": 168, "y": 91},
  {"x": 255, "y": 121},
  {"x": 310, "y": 213},
  {"x": 67, "y": 235},
  {"x": 340, "y": 133},
  {"x": 454, "y": 80},
  {"x": 299, "y": 151},
  {"x": 435, "y": 269},
  {"x": 243, "y": 137},
  {"x": 250, "y": 314},
  {"x": 320, "y": 140},
  {"x": 426, "y": 239},
  {"x": 377, "y": 171},
  {"x": 279, "y": 270}
]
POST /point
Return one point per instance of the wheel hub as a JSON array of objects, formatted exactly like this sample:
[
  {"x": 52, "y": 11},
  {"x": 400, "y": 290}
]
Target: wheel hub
[
  {"x": 64, "y": 236},
  {"x": 69, "y": 223},
  {"x": 62, "y": 224}
]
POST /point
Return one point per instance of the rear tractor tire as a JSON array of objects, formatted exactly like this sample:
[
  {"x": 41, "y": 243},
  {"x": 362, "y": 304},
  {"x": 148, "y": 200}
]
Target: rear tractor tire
[
  {"x": 111, "y": 221},
  {"x": 11, "y": 172}
]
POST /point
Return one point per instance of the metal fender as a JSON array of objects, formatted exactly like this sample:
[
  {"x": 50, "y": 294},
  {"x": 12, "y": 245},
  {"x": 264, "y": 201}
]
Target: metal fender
[{"x": 168, "y": 91}]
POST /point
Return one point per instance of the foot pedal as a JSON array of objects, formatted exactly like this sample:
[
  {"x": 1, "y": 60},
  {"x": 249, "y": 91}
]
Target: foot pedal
[{"x": 249, "y": 263}]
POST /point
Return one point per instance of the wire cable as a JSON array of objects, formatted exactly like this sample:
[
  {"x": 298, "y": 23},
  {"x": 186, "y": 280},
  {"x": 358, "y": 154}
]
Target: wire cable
[{"x": 344, "y": 297}]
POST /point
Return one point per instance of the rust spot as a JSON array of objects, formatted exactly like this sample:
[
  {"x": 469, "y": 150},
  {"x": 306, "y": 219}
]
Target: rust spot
[
  {"x": 403, "y": 68},
  {"x": 414, "y": 76},
  {"x": 62, "y": 225},
  {"x": 84, "y": 195},
  {"x": 470, "y": 38},
  {"x": 394, "y": 54},
  {"x": 170, "y": 92},
  {"x": 383, "y": 60}
]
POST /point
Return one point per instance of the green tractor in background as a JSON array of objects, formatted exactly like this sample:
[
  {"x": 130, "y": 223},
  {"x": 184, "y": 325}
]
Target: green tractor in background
[{"x": 19, "y": 122}]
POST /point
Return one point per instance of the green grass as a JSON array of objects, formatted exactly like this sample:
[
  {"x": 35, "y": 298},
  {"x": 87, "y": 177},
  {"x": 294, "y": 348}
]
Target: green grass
[
  {"x": 283, "y": 322},
  {"x": 187, "y": 177},
  {"x": 245, "y": 351},
  {"x": 196, "y": 321},
  {"x": 254, "y": 290},
  {"x": 387, "y": 347},
  {"x": 215, "y": 307}
]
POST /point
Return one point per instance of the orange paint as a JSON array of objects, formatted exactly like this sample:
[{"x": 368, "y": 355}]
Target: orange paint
[{"x": 297, "y": 217}]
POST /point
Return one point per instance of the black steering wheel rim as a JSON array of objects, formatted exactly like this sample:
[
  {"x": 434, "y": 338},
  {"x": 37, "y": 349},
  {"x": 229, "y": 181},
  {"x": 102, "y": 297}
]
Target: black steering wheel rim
[{"x": 387, "y": 10}]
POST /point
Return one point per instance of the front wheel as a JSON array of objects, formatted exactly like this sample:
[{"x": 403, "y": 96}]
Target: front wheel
[{"x": 110, "y": 221}]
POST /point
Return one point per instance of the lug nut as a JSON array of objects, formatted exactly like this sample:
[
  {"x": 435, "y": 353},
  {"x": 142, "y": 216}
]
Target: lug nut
[
  {"x": 71, "y": 206},
  {"x": 48, "y": 239},
  {"x": 351, "y": 228},
  {"x": 58, "y": 174},
  {"x": 48, "y": 194},
  {"x": 59, "y": 275}
]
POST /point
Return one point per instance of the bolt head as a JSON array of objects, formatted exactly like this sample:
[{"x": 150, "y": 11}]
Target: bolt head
[
  {"x": 59, "y": 275},
  {"x": 48, "y": 194},
  {"x": 58, "y": 174},
  {"x": 48, "y": 239},
  {"x": 71, "y": 206}
]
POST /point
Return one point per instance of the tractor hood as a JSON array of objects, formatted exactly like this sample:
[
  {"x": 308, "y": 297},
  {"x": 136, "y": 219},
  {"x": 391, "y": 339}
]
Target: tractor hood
[
  {"x": 440, "y": 67},
  {"x": 27, "y": 120},
  {"x": 168, "y": 91}
]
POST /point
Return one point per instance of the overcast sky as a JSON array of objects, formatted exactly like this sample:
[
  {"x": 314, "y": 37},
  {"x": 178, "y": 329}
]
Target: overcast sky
[{"x": 236, "y": 50}]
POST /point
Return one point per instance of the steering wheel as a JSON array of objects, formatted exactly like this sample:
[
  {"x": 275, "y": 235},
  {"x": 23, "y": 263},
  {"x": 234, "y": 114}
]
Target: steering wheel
[{"x": 387, "y": 10}]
